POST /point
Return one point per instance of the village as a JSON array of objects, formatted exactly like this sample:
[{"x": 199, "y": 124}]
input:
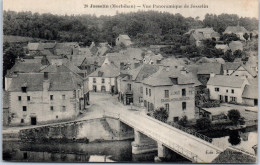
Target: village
[
  {"x": 59, "y": 82},
  {"x": 55, "y": 83}
]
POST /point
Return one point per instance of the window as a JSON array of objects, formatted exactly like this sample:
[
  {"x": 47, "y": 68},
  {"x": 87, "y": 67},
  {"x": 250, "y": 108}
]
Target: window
[
  {"x": 232, "y": 91},
  {"x": 140, "y": 99},
  {"x": 150, "y": 92},
  {"x": 183, "y": 92},
  {"x": 28, "y": 98},
  {"x": 63, "y": 108},
  {"x": 217, "y": 89},
  {"x": 19, "y": 98},
  {"x": 22, "y": 120},
  {"x": 183, "y": 105},
  {"x": 103, "y": 80},
  {"x": 234, "y": 99},
  {"x": 24, "y": 108},
  {"x": 94, "y": 80},
  {"x": 51, "y": 108},
  {"x": 175, "y": 119},
  {"x": 146, "y": 91},
  {"x": 24, "y": 89},
  {"x": 129, "y": 87},
  {"x": 145, "y": 103},
  {"x": 141, "y": 90},
  {"x": 227, "y": 90},
  {"x": 166, "y": 93},
  {"x": 51, "y": 97},
  {"x": 167, "y": 107},
  {"x": 63, "y": 97}
]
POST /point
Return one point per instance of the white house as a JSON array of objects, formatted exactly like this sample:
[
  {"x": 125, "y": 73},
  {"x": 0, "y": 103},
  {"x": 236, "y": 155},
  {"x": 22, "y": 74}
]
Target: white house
[
  {"x": 226, "y": 88},
  {"x": 244, "y": 71},
  {"x": 123, "y": 39},
  {"x": 104, "y": 79},
  {"x": 172, "y": 89}
]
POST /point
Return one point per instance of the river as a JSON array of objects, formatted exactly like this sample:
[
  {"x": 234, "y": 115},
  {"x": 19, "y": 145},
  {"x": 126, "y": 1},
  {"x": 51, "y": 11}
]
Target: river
[{"x": 119, "y": 151}]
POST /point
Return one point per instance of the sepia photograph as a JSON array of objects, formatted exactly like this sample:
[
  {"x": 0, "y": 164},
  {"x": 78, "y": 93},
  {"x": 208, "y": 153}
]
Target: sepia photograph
[{"x": 130, "y": 81}]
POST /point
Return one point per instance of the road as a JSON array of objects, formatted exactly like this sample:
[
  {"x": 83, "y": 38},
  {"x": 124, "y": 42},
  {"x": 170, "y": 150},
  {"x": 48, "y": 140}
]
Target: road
[{"x": 169, "y": 136}]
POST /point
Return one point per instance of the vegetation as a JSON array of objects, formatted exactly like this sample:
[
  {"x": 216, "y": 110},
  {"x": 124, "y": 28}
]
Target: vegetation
[
  {"x": 161, "y": 114},
  {"x": 183, "y": 121},
  {"x": 234, "y": 116},
  {"x": 145, "y": 28},
  {"x": 203, "y": 123}
]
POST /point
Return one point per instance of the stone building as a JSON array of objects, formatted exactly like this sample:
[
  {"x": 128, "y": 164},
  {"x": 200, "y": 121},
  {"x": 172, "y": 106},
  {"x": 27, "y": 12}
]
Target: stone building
[
  {"x": 38, "y": 98},
  {"x": 123, "y": 39},
  {"x": 104, "y": 79},
  {"x": 172, "y": 89}
]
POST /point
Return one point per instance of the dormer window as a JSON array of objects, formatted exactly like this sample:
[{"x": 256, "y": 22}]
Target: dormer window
[{"x": 24, "y": 89}]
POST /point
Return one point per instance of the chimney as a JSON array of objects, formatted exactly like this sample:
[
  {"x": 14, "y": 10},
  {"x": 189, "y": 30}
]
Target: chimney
[
  {"x": 212, "y": 74},
  {"x": 45, "y": 75}
]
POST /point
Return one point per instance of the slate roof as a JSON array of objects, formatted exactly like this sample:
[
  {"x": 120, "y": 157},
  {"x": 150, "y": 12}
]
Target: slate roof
[
  {"x": 106, "y": 70},
  {"x": 250, "y": 91},
  {"x": 143, "y": 71},
  {"x": 222, "y": 46},
  {"x": 165, "y": 77},
  {"x": 24, "y": 67},
  {"x": 231, "y": 65},
  {"x": 235, "y": 29},
  {"x": 93, "y": 60},
  {"x": 134, "y": 53},
  {"x": 207, "y": 68},
  {"x": 35, "y": 46},
  {"x": 125, "y": 36},
  {"x": 34, "y": 82},
  {"x": 226, "y": 81},
  {"x": 235, "y": 45}
]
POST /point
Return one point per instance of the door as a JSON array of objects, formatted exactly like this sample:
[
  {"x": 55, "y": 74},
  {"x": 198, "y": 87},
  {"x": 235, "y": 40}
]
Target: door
[
  {"x": 94, "y": 88},
  {"x": 226, "y": 98},
  {"x": 112, "y": 89},
  {"x": 103, "y": 89},
  {"x": 33, "y": 121},
  {"x": 129, "y": 100}
]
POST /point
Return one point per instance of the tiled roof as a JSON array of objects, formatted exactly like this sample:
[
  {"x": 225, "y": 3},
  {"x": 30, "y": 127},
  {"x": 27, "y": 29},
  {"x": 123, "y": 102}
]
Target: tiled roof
[
  {"x": 93, "y": 60},
  {"x": 250, "y": 91},
  {"x": 249, "y": 70},
  {"x": 207, "y": 68},
  {"x": 49, "y": 45},
  {"x": 106, "y": 70},
  {"x": 231, "y": 65},
  {"x": 226, "y": 81},
  {"x": 63, "y": 81},
  {"x": 165, "y": 77}
]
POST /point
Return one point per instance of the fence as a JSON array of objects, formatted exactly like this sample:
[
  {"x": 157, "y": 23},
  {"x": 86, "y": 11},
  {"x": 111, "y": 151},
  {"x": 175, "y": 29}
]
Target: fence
[{"x": 191, "y": 131}]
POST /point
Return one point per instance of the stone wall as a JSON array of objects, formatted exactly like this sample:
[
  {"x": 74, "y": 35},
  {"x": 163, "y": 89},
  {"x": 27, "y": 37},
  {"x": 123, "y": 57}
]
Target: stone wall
[{"x": 102, "y": 129}]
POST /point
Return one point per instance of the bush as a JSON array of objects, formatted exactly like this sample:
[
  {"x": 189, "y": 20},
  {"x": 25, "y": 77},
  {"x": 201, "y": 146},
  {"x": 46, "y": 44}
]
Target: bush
[
  {"x": 161, "y": 114},
  {"x": 234, "y": 116},
  {"x": 203, "y": 123},
  {"x": 183, "y": 121}
]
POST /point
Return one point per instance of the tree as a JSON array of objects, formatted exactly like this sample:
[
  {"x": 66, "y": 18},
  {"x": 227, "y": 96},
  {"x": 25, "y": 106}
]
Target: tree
[
  {"x": 228, "y": 56},
  {"x": 246, "y": 36},
  {"x": 203, "y": 123},
  {"x": 161, "y": 114},
  {"x": 234, "y": 116},
  {"x": 183, "y": 121}
]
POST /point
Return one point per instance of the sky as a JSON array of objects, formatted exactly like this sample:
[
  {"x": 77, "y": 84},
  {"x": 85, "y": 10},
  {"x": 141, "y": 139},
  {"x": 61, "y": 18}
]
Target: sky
[{"x": 243, "y": 8}]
